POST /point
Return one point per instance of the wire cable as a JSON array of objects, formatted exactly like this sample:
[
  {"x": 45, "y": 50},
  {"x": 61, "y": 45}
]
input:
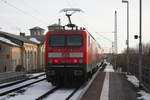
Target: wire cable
[
  {"x": 36, "y": 11},
  {"x": 22, "y": 11}
]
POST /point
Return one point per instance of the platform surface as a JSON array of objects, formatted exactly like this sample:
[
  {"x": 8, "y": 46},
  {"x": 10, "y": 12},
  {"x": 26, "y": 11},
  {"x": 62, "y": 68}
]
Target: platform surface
[{"x": 110, "y": 86}]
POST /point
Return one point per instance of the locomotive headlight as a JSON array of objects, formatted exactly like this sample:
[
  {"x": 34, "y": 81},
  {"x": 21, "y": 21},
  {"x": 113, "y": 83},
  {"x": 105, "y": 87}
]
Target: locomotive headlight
[
  {"x": 56, "y": 61},
  {"x": 75, "y": 61},
  {"x": 80, "y": 61}
]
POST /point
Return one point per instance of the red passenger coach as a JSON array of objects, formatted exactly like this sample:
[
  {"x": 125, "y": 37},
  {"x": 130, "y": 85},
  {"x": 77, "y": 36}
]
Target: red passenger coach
[{"x": 71, "y": 56}]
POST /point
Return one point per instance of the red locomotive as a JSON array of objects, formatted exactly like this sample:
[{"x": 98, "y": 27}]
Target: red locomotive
[{"x": 71, "y": 55}]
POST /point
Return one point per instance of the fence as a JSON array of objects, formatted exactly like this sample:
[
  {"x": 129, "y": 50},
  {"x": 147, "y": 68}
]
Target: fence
[{"x": 134, "y": 68}]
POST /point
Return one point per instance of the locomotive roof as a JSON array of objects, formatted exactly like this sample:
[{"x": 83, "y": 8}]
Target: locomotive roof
[{"x": 81, "y": 30}]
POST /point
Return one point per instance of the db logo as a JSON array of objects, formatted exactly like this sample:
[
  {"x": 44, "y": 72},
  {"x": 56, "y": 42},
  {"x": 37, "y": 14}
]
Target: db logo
[{"x": 65, "y": 55}]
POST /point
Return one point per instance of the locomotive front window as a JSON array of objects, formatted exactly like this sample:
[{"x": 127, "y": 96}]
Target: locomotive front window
[
  {"x": 57, "y": 40},
  {"x": 66, "y": 40},
  {"x": 74, "y": 40}
]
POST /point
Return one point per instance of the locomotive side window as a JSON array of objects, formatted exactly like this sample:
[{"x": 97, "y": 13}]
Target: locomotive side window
[
  {"x": 74, "y": 40},
  {"x": 57, "y": 40},
  {"x": 66, "y": 40}
]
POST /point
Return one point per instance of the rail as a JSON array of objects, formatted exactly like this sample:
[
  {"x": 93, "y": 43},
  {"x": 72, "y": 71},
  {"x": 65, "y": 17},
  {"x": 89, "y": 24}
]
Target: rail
[
  {"x": 19, "y": 81},
  {"x": 20, "y": 87},
  {"x": 47, "y": 93}
]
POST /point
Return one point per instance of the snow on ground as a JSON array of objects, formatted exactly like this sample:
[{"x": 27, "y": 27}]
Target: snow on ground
[
  {"x": 145, "y": 96},
  {"x": 135, "y": 82},
  {"x": 36, "y": 90},
  {"x": 31, "y": 92},
  {"x": 30, "y": 75},
  {"x": 60, "y": 94},
  {"x": 20, "y": 84},
  {"x": 34, "y": 40},
  {"x": 78, "y": 93},
  {"x": 109, "y": 68},
  {"x": 35, "y": 74}
]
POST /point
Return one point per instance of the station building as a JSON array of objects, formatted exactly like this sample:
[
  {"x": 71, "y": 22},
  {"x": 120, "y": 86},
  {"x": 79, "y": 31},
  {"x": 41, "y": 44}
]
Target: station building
[{"x": 22, "y": 53}]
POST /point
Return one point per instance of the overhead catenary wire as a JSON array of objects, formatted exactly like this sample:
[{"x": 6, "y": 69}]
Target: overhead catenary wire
[
  {"x": 104, "y": 37},
  {"x": 24, "y": 12},
  {"x": 10, "y": 26},
  {"x": 36, "y": 11}
]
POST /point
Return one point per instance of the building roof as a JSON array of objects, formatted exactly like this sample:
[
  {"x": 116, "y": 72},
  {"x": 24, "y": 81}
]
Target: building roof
[
  {"x": 17, "y": 37},
  {"x": 7, "y": 41},
  {"x": 39, "y": 38},
  {"x": 37, "y": 28}
]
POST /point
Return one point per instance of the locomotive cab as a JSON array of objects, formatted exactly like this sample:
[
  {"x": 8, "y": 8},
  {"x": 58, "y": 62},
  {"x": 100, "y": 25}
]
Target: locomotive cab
[{"x": 65, "y": 56}]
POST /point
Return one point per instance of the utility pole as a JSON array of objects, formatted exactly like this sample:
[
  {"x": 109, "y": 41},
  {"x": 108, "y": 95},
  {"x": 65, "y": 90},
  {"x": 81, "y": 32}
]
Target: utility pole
[
  {"x": 127, "y": 42},
  {"x": 115, "y": 33},
  {"x": 115, "y": 41},
  {"x": 140, "y": 45}
]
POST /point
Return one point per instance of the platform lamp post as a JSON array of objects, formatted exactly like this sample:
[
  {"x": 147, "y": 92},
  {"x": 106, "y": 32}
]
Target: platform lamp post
[
  {"x": 140, "y": 45},
  {"x": 127, "y": 41}
]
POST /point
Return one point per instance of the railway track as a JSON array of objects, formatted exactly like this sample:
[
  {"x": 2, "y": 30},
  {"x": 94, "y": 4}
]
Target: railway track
[
  {"x": 72, "y": 93},
  {"x": 20, "y": 81},
  {"x": 6, "y": 90},
  {"x": 50, "y": 92},
  {"x": 54, "y": 90},
  {"x": 47, "y": 93}
]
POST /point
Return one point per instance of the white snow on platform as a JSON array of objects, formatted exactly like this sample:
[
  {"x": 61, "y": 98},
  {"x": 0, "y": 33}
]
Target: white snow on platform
[
  {"x": 133, "y": 80},
  {"x": 145, "y": 96},
  {"x": 109, "y": 68}
]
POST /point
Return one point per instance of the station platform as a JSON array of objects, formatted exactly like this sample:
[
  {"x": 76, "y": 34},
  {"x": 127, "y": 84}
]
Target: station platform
[
  {"x": 11, "y": 76},
  {"x": 110, "y": 86}
]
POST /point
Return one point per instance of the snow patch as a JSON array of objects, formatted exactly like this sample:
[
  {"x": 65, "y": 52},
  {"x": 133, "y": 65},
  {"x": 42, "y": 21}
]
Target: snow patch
[
  {"x": 34, "y": 40},
  {"x": 31, "y": 93},
  {"x": 36, "y": 74},
  {"x": 109, "y": 68},
  {"x": 145, "y": 96},
  {"x": 133, "y": 80},
  {"x": 8, "y": 41}
]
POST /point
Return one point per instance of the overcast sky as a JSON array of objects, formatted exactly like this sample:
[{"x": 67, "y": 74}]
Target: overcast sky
[{"x": 98, "y": 17}]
